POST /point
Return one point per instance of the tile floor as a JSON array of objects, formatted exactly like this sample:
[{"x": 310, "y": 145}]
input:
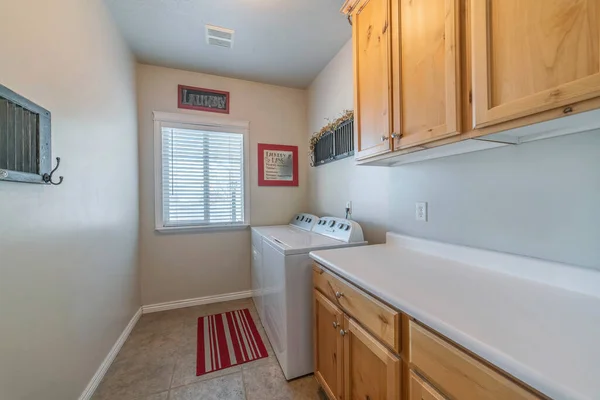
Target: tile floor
[{"x": 158, "y": 362}]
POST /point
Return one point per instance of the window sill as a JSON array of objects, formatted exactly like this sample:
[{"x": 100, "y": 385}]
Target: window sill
[{"x": 201, "y": 229}]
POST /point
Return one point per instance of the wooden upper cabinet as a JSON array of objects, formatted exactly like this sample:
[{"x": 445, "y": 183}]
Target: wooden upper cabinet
[
  {"x": 531, "y": 56},
  {"x": 328, "y": 341},
  {"x": 371, "y": 371},
  {"x": 426, "y": 53},
  {"x": 372, "y": 80}
]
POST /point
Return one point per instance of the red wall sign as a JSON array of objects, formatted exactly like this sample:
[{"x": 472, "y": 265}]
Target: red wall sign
[
  {"x": 200, "y": 99},
  {"x": 277, "y": 165}
]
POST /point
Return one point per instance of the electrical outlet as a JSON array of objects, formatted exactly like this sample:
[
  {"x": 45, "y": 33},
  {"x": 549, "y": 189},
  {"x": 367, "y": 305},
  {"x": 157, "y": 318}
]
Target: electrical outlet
[{"x": 421, "y": 211}]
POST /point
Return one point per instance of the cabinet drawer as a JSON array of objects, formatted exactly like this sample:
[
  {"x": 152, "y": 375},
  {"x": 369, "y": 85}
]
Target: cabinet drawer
[
  {"x": 456, "y": 373},
  {"x": 421, "y": 390},
  {"x": 382, "y": 321}
]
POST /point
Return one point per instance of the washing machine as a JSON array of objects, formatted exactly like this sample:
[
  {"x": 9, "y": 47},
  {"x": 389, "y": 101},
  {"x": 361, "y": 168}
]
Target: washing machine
[
  {"x": 286, "y": 287},
  {"x": 299, "y": 224}
]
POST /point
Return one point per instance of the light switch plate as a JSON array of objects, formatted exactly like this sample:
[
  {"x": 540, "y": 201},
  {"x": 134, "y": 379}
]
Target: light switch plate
[{"x": 421, "y": 211}]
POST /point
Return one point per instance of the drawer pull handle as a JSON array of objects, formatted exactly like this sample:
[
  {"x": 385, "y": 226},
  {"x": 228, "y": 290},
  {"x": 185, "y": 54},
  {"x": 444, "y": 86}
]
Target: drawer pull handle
[
  {"x": 339, "y": 295},
  {"x": 343, "y": 332},
  {"x": 568, "y": 110},
  {"x": 335, "y": 324}
]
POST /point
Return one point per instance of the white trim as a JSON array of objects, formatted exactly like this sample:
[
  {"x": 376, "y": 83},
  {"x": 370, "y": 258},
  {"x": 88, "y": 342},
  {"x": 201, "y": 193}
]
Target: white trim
[
  {"x": 211, "y": 123},
  {"x": 205, "y": 228},
  {"x": 198, "y": 301},
  {"x": 97, "y": 378},
  {"x": 180, "y": 118}
]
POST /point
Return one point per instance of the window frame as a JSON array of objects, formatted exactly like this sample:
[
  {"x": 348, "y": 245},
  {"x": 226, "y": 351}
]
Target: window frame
[{"x": 199, "y": 122}]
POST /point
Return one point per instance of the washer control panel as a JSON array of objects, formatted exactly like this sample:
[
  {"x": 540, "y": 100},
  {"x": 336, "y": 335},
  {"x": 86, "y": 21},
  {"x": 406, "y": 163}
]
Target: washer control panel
[
  {"x": 339, "y": 228},
  {"x": 304, "y": 221}
]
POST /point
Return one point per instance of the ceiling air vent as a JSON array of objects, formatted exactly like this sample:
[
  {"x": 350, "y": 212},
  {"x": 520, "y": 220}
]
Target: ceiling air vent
[{"x": 217, "y": 36}]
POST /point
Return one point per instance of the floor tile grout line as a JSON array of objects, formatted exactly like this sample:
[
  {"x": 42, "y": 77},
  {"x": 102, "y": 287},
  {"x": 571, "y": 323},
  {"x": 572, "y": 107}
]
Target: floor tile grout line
[
  {"x": 173, "y": 372},
  {"x": 205, "y": 380},
  {"x": 244, "y": 384}
]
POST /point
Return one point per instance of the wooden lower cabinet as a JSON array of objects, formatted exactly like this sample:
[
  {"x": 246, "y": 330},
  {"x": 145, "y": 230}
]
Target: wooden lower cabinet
[
  {"x": 419, "y": 389},
  {"x": 457, "y": 373},
  {"x": 382, "y": 321},
  {"x": 371, "y": 371},
  {"x": 353, "y": 361},
  {"x": 328, "y": 341},
  {"x": 350, "y": 363}
]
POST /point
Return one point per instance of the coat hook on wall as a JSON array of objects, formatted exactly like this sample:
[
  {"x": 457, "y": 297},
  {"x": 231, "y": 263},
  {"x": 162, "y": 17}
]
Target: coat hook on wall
[{"x": 47, "y": 178}]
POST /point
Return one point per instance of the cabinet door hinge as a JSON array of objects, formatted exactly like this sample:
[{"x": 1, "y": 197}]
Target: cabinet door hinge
[{"x": 470, "y": 97}]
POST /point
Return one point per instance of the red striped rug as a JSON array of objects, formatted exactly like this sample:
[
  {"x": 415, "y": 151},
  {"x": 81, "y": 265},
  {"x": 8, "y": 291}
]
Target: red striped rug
[{"x": 227, "y": 339}]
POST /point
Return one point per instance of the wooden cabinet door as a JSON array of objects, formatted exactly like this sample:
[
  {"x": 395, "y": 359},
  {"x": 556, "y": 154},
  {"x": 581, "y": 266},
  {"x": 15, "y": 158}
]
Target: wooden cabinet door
[
  {"x": 421, "y": 390},
  {"x": 428, "y": 92},
  {"x": 372, "y": 77},
  {"x": 371, "y": 371},
  {"x": 530, "y": 56},
  {"x": 328, "y": 346}
]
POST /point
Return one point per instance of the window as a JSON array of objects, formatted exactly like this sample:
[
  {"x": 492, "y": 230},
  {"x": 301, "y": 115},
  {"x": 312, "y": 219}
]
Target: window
[
  {"x": 24, "y": 139},
  {"x": 201, "y": 172}
]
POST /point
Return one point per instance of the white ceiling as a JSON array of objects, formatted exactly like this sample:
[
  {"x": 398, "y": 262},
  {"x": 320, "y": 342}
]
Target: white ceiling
[{"x": 282, "y": 42}]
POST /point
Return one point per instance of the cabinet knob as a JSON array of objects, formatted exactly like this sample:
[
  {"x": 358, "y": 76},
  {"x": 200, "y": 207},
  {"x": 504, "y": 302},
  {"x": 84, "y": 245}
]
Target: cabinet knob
[
  {"x": 568, "y": 110},
  {"x": 335, "y": 324},
  {"x": 343, "y": 332},
  {"x": 384, "y": 138},
  {"x": 339, "y": 295},
  {"x": 396, "y": 135}
]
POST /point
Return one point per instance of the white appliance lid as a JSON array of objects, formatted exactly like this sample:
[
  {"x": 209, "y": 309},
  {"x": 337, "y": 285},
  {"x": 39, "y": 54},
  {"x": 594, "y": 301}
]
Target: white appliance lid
[
  {"x": 297, "y": 242},
  {"x": 275, "y": 229}
]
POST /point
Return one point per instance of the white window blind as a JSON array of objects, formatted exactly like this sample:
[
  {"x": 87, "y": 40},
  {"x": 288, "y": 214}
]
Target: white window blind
[{"x": 202, "y": 177}]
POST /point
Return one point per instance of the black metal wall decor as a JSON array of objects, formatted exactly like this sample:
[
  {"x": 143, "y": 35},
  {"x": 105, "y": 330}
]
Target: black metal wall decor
[
  {"x": 335, "y": 144},
  {"x": 25, "y": 141}
]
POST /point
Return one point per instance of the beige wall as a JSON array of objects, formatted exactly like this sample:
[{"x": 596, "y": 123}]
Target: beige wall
[
  {"x": 177, "y": 266},
  {"x": 537, "y": 199},
  {"x": 69, "y": 281}
]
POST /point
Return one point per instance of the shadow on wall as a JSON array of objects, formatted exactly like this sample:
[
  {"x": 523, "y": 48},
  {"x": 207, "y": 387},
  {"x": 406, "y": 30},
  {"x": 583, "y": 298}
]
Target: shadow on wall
[
  {"x": 334, "y": 184},
  {"x": 374, "y": 232},
  {"x": 537, "y": 199}
]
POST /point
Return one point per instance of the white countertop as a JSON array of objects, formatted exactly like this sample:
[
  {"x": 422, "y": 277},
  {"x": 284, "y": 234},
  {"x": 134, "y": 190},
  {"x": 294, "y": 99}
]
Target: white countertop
[{"x": 545, "y": 335}]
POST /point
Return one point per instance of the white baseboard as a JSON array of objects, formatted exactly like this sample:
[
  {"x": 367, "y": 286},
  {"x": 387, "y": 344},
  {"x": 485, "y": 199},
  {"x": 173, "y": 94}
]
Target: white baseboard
[
  {"x": 97, "y": 378},
  {"x": 172, "y": 305}
]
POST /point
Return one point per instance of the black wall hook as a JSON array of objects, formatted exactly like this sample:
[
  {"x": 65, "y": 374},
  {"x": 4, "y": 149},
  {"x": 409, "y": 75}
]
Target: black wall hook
[{"x": 47, "y": 178}]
